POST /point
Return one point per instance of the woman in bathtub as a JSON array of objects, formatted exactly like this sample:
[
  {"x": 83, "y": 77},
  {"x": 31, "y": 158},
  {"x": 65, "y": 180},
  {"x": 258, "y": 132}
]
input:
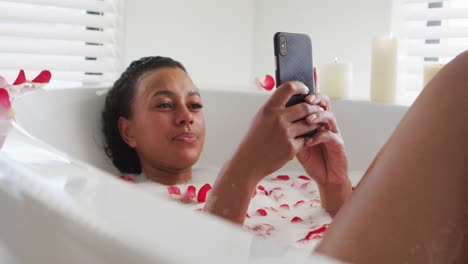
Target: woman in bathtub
[{"x": 413, "y": 208}]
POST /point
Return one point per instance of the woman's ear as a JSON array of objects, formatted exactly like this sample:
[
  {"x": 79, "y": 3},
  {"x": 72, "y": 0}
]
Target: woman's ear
[{"x": 126, "y": 131}]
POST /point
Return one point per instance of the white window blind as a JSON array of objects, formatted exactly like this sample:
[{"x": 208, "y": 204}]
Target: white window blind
[
  {"x": 430, "y": 31},
  {"x": 79, "y": 41}
]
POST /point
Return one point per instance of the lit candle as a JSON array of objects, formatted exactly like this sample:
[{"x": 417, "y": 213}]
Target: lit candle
[
  {"x": 384, "y": 69},
  {"x": 335, "y": 79},
  {"x": 430, "y": 70}
]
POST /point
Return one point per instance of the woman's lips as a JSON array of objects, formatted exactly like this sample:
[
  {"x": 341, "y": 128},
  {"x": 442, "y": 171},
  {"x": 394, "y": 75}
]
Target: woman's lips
[{"x": 186, "y": 137}]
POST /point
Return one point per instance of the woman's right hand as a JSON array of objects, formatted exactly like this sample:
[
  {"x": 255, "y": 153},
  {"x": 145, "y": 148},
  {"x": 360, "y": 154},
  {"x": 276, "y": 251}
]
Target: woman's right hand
[{"x": 272, "y": 139}]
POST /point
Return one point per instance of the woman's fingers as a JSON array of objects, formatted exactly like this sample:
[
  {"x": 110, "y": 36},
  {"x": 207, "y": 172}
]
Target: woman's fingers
[
  {"x": 300, "y": 128},
  {"x": 325, "y": 118},
  {"x": 283, "y": 93},
  {"x": 323, "y": 136},
  {"x": 300, "y": 111},
  {"x": 319, "y": 99}
]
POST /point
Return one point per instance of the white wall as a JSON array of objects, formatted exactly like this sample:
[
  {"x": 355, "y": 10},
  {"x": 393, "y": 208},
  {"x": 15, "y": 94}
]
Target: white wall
[
  {"x": 338, "y": 28},
  {"x": 224, "y": 43},
  {"x": 212, "y": 38}
]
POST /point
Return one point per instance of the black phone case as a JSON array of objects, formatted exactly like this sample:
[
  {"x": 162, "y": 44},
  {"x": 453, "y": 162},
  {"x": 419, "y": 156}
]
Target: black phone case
[{"x": 295, "y": 65}]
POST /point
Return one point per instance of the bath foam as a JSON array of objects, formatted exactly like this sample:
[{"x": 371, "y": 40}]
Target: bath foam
[{"x": 285, "y": 205}]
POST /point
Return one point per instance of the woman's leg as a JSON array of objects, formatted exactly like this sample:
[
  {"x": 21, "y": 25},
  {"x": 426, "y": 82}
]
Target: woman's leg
[{"x": 412, "y": 204}]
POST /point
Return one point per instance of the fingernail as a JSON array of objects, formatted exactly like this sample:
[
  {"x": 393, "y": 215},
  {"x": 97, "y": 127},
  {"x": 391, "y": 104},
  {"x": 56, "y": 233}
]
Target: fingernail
[
  {"x": 306, "y": 90},
  {"x": 312, "y": 117},
  {"x": 312, "y": 98}
]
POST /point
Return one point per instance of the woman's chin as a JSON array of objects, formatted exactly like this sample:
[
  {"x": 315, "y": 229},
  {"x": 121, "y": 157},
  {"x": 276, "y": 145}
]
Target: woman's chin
[{"x": 187, "y": 159}]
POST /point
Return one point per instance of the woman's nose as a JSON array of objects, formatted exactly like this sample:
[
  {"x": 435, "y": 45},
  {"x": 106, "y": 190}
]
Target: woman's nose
[{"x": 184, "y": 117}]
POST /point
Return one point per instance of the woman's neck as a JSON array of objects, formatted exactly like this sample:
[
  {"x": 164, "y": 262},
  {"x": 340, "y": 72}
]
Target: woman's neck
[{"x": 167, "y": 176}]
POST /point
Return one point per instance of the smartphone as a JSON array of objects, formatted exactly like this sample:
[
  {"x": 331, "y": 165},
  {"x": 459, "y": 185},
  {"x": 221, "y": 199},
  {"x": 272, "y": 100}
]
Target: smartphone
[{"x": 293, "y": 62}]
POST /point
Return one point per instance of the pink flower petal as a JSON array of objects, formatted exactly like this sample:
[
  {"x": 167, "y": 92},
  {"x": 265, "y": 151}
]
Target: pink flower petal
[
  {"x": 296, "y": 219},
  {"x": 277, "y": 198},
  {"x": 173, "y": 190},
  {"x": 282, "y": 178},
  {"x": 202, "y": 193},
  {"x": 274, "y": 209},
  {"x": 268, "y": 83},
  {"x": 261, "y": 188},
  {"x": 285, "y": 206},
  {"x": 315, "y": 232},
  {"x": 274, "y": 189},
  {"x": 43, "y": 77},
  {"x": 20, "y": 79},
  {"x": 5, "y": 98},
  {"x": 126, "y": 178},
  {"x": 304, "y": 185},
  {"x": 304, "y": 177},
  {"x": 299, "y": 203},
  {"x": 262, "y": 212}
]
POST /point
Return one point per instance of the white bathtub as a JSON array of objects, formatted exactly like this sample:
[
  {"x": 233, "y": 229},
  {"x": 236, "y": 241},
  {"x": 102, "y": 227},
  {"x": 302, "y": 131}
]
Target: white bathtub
[{"x": 56, "y": 208}]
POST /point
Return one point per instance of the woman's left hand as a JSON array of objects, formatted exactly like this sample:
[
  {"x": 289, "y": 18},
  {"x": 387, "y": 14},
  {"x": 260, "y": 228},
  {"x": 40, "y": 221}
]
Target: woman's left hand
[{"x": 324, "y": 157}]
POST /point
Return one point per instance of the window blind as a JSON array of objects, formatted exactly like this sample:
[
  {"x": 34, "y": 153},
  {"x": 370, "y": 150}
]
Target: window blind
[
  {"x": 79, "y": 41},
  {"x": 430, "y": 31}
]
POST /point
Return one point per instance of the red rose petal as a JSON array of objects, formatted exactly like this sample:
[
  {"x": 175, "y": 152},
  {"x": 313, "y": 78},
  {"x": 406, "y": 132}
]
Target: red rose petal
[
  {"x": 277, "y": 198},
  {"x": 274, "y": 189},
  {"x": 126, "y": 178},
  {"x": 202, "y": 193},
  {"x": 5, "y": 98},
  {"x": 282, "y": 178},
  {"x": 267, "y": 84},
  {"x": 20, "y": 79},
  {"x": 315, "y": 232},
  {"x": 262, "y": 212},
  {"x": 261, "y": 188},
  {"x": 274, "y": 209},
  {"x": 304, "y": 177},
  {"x": 43, "y": 77},
  {"x": 191, "y": 191},
  {"x": 173, "y": 190},
  {"x": 247, "y": 215},
  {"x": 296, "y": 219},
  {"x": 190, "y": 194},
  {"x": 299, "y": 203},
  {"x": 284, "y": 206}
]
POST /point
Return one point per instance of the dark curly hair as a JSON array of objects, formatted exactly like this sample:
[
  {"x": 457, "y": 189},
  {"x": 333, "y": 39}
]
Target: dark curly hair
[{"x": 118, "y": 104}]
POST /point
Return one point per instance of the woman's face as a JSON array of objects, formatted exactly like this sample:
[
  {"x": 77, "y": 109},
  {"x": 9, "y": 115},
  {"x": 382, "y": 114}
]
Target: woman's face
[{"x": 167, "y": 126}]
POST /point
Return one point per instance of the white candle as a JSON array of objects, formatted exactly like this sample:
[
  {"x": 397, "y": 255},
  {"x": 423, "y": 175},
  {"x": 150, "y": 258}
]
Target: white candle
[
  {"x": 384, "y": 69},
  {"x": 430, "y": 70},
  {"x": 335, "y": 79}
]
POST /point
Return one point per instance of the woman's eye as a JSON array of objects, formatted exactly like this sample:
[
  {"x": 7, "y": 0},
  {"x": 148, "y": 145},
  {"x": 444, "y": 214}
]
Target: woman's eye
[
  {"x": 164, "y": 105},
  {"x": 196, "y": 106}
]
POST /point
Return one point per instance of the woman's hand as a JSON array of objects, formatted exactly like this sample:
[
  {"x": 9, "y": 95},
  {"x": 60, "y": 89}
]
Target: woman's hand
[
  {"x": 273, "y": 138},
  {"x": 324, "y": 157},
  {"x": 271, "y": 141}
]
